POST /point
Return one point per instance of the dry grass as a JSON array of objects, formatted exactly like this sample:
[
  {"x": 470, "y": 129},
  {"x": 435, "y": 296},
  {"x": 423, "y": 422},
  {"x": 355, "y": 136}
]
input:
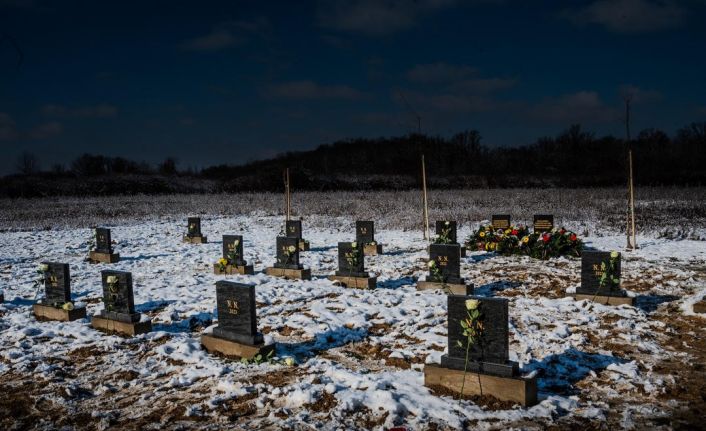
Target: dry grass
[{"x": 665, "y": 211}]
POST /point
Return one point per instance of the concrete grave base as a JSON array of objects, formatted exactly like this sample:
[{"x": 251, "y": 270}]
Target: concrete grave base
[
  {"x": 233, "y": 269},
  {"x": 455, "y": 289},
  {"x": 124, "y": 328},
  {"x": 234, "y": 349},
  {"x": 47, "y": 312},
  {"x": 196, "y": 239},
  {"x": 521, "y": 390},
  {"x": 96, "y": 257},
  {"x": 357, "y": 282},
  {"x": 605, "y": 300},
  {"x": 303, "y": 274},
  {"x": 700, "y": 307},
  {"x": 304, "y": 245},
  {"x": 372, "y": 249}
]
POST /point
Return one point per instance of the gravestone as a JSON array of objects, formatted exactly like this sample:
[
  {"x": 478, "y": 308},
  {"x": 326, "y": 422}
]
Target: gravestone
[
  {"x": 118, "y": 297},
  {"x": 447, "y": 259},
  {"x": 351, "y": 261},
  {"x": 593, "y": 265},
  {"x": 288, "y": 253},
  {"x": 103, "y": 241},
  {"x": 194, "y": 227},
  {"x": 57, "y": 284},
  {"x": 488, "y": 370},
  {"x": 293, "y": 229},
  {"x": 364, "y": 232},
  {"x": 57, "y": 304},
  {"x": 448, "y": 229},
  {"x": 490, "y": 352},
  {"x": 237, "y": 320},
  {"x": 233, "y": 250},
  {"x": 543, "y": 223},
  {"x": 501, "y": 221}
]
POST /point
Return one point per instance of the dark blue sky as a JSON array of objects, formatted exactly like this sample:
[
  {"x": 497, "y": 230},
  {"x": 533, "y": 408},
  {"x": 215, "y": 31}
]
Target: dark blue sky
[{"x": 227, "y": 82}]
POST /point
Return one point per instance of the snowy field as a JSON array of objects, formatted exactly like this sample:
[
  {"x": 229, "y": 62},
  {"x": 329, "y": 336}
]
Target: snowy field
[{"x": 359, "y": 354}]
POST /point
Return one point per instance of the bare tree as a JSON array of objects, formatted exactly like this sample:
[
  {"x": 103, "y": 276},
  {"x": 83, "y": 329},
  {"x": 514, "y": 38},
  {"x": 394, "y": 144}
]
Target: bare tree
[{"x": 27, "y": 163}]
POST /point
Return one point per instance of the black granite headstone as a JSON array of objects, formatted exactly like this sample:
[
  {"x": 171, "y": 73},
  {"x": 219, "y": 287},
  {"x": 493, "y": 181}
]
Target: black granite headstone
[
  {"x": 364, "y": 232},
  {"x": 351, "y": 262},
  {"x": 237, "y": 316},
  {"x": 118, "y": 297},
  {"x": 288, "y": 253},
  {"x": 194, "y": 227},
  {"x": 103, "y": 242},
  {"x": 543, "y": 223},
  {"x": 489, "y": 353},
  {"x": 501, "y": 221},
  {"x": 447, "y": 258},
  {"x": 294, "y": 229},
  {"x": 57, "y": 284},
  {"x": 593, "y": 266},
  {"x": 447, "y": 228},
  {"x": 233, "y": 250}
]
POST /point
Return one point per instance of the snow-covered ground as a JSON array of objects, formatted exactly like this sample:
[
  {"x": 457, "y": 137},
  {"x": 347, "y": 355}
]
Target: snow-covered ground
[{"x": 359, "y": 354}]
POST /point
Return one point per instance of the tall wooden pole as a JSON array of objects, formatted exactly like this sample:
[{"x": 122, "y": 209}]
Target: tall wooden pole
[
  {"x": 287, "y": 198},
  {"x": 630, "y": 231},
  {"x": 424, "y": 199}
]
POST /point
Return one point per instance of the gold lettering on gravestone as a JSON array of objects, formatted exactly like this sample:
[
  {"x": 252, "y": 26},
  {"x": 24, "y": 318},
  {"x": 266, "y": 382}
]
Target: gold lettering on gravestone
[
  {"x": 364, "y": 231},
  {"x": 53, "y": 281},
  {"x": 543, "y": 225},
  {"x": 233, "y": 307},
  {"x": 231, "y": 246},
  {"x": 597, "y": 270},
  {"x": 443, "y": 260},
  {"x": 501, "y": 223},
  {"x": 292, "y": 229}
]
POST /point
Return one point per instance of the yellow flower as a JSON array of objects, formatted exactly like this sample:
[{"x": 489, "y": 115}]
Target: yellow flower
[
  {"x": 507, "y": 231},
  {"x": 292, "y": 249},
  {"x": 68, "y": 306},
  {"x": 525, "y": 239},
  {"x": 222, "y": 261},
  {"x": 354, "y": 244},
  {"x": 472, "y": 304},
  {"x": 614, "y": 254},
  {"x": 289, "y": 361},
  {"x": 111, "y": 279},
  {"x": 482, "y": 234},
  {"x": 431, "y": 264}
]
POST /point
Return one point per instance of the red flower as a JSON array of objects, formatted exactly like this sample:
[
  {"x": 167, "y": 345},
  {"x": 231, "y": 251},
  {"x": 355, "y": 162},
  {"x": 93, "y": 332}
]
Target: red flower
[
  {"x": 514, "y": 231},
  {"x": 562, "y": 231},
  {"x": 573, "y": 237},
  {"x": 546, "y": 238}
]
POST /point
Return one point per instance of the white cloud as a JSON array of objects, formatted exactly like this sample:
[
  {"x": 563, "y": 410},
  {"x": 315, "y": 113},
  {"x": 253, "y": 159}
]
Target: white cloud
[{"x": 629, "y": 16}]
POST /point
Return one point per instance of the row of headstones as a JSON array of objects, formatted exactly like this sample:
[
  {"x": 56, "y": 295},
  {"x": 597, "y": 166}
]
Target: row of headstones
[
  {"x": 542, "y": 222},
  {"x": 236, "y": 333}
]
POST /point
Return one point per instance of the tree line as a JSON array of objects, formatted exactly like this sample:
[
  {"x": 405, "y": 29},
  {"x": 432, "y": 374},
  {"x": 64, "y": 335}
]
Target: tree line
[{"x": 573, "y": 158}]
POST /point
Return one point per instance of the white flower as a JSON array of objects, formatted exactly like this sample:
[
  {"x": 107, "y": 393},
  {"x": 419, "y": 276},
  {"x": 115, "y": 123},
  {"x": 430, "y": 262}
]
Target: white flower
[
  {"x": 43, "y": 267},
  {"x": 614, "y": 254},
  {"x": 236, "y": 242},
  {"x": 431, "y": 263},
  {"x": 111, "y": 279},
  {"x": 354, "y": 244},
  {"x": 472, "y": 304},
  {"x": 68, "y": 306},
  {"x": 289, "y": 361},
  {"x": 447, "y": 223},
  {"x": 292, "y": 249}
]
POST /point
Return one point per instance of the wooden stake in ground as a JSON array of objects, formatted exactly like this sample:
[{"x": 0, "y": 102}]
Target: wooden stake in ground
[
  {"x": 630, "y": 231},
  {"x": 287, "y": 197},
  {"x": 424, "y": 200}
]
